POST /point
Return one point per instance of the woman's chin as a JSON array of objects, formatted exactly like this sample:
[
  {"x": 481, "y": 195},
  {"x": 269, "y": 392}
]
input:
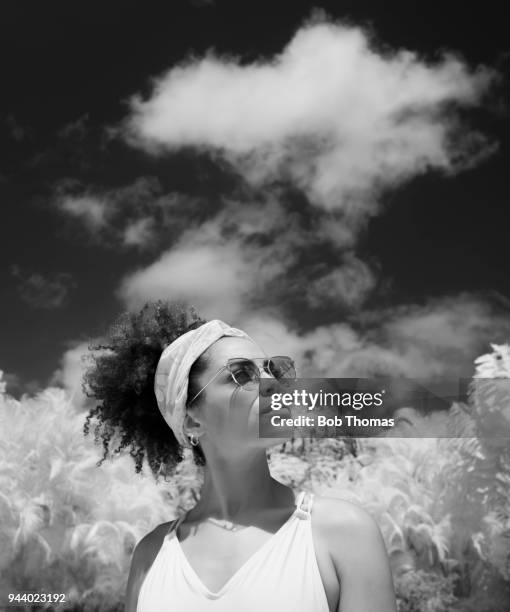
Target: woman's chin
[{"x": 270, "y": 442}]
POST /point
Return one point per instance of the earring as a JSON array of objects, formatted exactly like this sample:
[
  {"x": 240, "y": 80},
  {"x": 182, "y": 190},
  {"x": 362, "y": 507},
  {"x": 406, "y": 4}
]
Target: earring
[{"x": 193, "y": 440}]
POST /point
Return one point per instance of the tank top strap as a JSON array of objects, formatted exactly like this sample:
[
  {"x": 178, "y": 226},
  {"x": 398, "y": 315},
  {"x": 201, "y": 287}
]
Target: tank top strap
[
  {"x": 174, "y": 524},
  {"x": 304, "y": 503}
]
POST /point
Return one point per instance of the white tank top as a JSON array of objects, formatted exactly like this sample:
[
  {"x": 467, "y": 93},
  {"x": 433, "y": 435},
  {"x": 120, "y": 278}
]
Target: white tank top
[{"x": 281, "y": 576}]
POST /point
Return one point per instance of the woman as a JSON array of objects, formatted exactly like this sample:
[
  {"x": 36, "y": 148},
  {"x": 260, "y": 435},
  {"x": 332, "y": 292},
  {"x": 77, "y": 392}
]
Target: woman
[{"x": 248, "y": 544}]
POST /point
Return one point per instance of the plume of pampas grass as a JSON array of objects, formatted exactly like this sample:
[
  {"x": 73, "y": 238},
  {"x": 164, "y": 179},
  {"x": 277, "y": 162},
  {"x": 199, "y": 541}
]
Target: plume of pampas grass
[{"x": 67, "y": 525}]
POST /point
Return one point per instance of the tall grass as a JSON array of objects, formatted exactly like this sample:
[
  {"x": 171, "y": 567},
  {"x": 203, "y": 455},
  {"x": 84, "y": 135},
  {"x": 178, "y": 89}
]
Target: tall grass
[{"x": 443, "y": 504}]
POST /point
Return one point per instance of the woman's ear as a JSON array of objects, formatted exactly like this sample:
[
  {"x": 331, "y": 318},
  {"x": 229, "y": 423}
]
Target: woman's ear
[{"x": 192, "y": 426}]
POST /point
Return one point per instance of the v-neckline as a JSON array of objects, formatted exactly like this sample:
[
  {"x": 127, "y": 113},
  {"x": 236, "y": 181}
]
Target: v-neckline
[{"x": 200, "y": 583}]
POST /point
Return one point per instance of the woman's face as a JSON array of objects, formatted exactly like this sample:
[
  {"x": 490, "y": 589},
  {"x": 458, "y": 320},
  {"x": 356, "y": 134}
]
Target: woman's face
[{"x": 229, "y": 414}]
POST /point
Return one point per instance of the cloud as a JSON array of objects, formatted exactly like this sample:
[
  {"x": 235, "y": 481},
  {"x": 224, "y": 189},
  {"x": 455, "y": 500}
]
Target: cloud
[
  {"x": 259, "y": 254},
  {"x": 332, "y": 118},
  {"x": 75, "y": 130},
  {"x": 69, "y": 375},
  {"x": 139, "y": 232},
  {"x": 92, "y": 210},
  {"x": 440, "y": 338},
  {"x": 138, "y": 215},
  {"x": 73, "y": 365},
  {"x": 247, "y": 283},
  {"x": 215, "y": 277},
  {"x": 348, "y": 284},
  {"x": 316, "y": 134},
  {"x": 443, "y": 335},
  {"x": 45, "y": 292},
  {"x": 13, "y": 384},
  {"x": 330, "y": 114}
]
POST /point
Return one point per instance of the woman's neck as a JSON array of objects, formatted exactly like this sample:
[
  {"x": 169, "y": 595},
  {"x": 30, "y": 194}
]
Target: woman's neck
[{"x": 235, "y": 489}]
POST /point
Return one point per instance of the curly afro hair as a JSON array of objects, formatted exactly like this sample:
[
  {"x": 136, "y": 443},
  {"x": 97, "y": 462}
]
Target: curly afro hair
[{"x": 121, "y": 378}]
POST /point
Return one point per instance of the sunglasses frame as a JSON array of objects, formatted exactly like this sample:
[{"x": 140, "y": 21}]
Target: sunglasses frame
[{"x": 260, "y": 369}]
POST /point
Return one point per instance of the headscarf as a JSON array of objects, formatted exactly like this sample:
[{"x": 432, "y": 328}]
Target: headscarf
[{"x": 172, "y": 372}]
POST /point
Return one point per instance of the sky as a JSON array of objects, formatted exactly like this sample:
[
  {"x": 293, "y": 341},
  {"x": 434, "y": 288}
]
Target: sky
[{"x": 331, "y": 177}]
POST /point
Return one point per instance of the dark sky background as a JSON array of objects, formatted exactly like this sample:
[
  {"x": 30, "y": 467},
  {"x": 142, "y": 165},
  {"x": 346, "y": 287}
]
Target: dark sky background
[{"x": 68, "y": 69}]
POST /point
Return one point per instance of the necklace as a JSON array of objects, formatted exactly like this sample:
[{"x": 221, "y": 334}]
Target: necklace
[{"x": 224, "y": 524}]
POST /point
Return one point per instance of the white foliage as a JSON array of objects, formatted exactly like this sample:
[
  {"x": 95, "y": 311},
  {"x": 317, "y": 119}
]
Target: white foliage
[
  {"x": 58, "y": 507},
  {"x": 433, "y": 498},
  {"x": 495, "y": 364}
]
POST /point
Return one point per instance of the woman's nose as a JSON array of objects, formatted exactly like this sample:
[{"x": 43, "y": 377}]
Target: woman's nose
[{"x": 268, "y": 384}]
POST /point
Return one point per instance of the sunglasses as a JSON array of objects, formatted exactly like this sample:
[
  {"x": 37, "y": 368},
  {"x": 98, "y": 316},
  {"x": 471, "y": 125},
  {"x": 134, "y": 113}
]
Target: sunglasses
[{"x": 246, "y": 372}]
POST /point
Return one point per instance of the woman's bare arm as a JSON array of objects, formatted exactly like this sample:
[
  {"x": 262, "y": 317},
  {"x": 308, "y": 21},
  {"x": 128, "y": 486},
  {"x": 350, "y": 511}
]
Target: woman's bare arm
[{"x": 360, "y": 558}]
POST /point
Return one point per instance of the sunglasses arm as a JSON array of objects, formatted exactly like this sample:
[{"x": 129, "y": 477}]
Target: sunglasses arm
[{"x": 218, "y": 372}]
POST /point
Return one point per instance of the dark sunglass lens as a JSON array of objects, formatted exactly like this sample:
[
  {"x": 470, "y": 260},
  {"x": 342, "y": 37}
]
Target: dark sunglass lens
[
  {"x": 281, "y": 367},
  {"x": 244, "y": 372}
]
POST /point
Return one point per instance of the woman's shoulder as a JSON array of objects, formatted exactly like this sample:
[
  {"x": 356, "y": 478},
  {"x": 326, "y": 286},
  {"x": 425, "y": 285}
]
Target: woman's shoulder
[
  {"x": 338, "y": 518},
  {"x": 334, "y": 513},
  {"x": 358, "y": 552},
  {"x": 350, "y": 530}
]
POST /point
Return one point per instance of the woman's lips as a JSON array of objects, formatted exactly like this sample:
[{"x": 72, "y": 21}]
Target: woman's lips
[{"x": 283, "y": 412}]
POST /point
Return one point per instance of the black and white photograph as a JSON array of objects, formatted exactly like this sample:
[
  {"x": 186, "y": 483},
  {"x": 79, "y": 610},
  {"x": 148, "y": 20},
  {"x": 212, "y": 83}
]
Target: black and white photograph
[{"x": 255, "y": 308}]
